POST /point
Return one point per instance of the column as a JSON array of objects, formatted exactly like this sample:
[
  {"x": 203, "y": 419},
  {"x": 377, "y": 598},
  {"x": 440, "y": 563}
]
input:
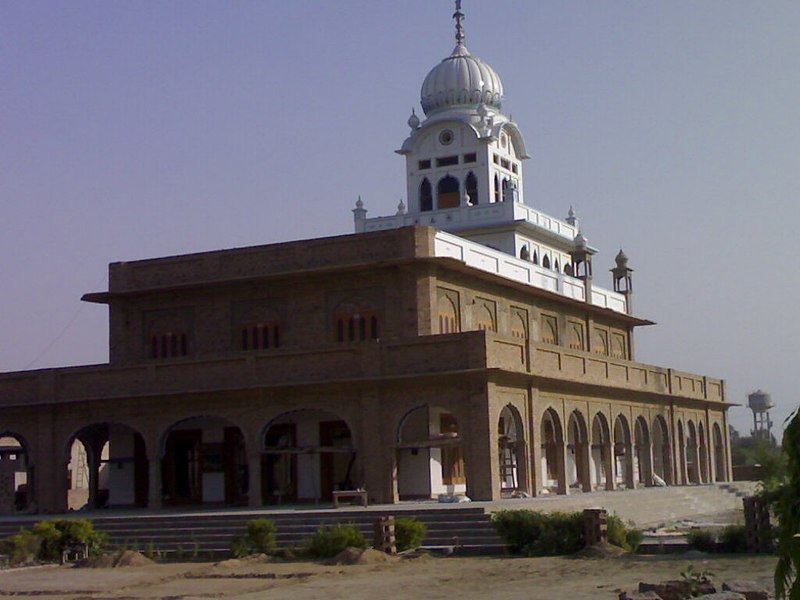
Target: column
[
  {"x": 154, "y": 478},
  {"x": 254, "y": 499},
  {"x": 377, "y": 453},
  {"x": 481, "y": 451}
]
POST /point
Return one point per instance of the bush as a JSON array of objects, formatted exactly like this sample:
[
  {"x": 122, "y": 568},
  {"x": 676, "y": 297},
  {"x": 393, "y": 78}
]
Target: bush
[
  {"x": 537, "y": 534},
  {"x": 620, "y": 535},
  {"x": 58, "y": 534},
  {"x": 704, "y": 540},
  {"x": 22, "y": 548},
  {"x": 634, "y": 537},
  {"x": 258, "y": 539},
  {"x": 734, "y": 539},
  {"x": 329, "y": 541},
  {"x": 409, "y": 533}
]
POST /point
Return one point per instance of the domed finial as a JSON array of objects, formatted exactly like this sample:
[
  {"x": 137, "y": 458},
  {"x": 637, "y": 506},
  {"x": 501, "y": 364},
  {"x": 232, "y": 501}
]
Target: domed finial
[
  {"x": 581, "y": 242},
  {"x": 359, "y": 202},
  {"x": 621, "y": 259},
  {"x": 572, "y": 218},
  {"x": 413, "y": 120},
  {"x": 459, "y": 16},
  {"x": 401, "y": 208}
]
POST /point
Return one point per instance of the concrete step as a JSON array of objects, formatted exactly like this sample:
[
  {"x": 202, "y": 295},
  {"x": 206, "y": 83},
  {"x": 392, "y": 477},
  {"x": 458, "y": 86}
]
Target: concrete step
[{"x": 468, "y": 528}]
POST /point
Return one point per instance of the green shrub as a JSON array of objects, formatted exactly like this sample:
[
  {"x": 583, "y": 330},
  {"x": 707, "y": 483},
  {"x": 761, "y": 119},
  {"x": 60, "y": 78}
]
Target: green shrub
[
  {"x": 409, "y": 533},
  {"x": 22, "y": 548},
  {"x": 329, "y": 541},
  {"x": 537, "y": 534},
  {"x": 634, "y": 537},
  {"x": 620, "y": 535},
  {"x": 258, "y": 539},
  {"x": 58, "y": 534},
  {"x": 704, "y": 540},
  {"x": 734, "y": 538}
]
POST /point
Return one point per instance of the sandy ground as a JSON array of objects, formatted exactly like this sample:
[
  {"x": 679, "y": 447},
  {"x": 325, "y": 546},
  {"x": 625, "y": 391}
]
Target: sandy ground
[{"x": 425, "y": 577}]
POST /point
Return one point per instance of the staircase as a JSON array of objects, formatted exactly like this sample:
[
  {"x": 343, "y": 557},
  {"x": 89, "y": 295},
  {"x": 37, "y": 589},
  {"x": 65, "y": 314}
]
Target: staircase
[
  {"x": 462, "y": 529},
  {"x": 208, "y": 535}
]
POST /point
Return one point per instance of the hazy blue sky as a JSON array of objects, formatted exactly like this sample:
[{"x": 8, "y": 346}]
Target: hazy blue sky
[{"x": 139, "y": 129}]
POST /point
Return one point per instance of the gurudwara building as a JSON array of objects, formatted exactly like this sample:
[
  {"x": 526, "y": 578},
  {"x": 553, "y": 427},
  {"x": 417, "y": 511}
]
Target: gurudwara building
[{"x": 458, "y": 347}]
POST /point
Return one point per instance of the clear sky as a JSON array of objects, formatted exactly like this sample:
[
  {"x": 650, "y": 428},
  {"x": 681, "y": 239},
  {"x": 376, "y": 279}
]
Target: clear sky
[{"x": 139, "y": 129}]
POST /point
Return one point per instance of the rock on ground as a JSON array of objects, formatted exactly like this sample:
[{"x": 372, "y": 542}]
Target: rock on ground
[
  {"x": 748, "y": 589},
  {"x": 128, "y": 558}
]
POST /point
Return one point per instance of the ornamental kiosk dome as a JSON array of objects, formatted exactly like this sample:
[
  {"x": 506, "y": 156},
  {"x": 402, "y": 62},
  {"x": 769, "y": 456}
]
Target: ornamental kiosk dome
[{"x": 461, "y": 79}]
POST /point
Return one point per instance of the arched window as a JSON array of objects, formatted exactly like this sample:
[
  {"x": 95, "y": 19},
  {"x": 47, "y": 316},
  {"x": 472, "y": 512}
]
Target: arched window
[
  {"x": 568, "y": 270},
  {"x": 518, "y": 328},
  {"x": 618, "y": 346},
  {"x": 549, "y": 329},
  {"x": 505, "y": 189},
  {"x": 484, "y": 319},
  {"x": 600, "y": 342},
  {"x": 449, "y": 192},
  {"x": 448, "y": 317},
  {"x": 546, "y": 262},
  {"x": 471, "y": 187},
  {"x": 557, "y": 267},
  {"x": 425, "y": 196},
  {"x": 496, "y": 188},
  {"x": 535, "y": 257},
  {"x": 575, "y": 332}
]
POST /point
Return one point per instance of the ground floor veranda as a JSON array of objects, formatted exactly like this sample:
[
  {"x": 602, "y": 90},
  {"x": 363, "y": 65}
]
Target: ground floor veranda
[{"x": 265, "y": 447}]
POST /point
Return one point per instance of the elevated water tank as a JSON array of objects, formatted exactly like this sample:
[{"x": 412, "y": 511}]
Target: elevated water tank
[{"x": 759, "y": 401}]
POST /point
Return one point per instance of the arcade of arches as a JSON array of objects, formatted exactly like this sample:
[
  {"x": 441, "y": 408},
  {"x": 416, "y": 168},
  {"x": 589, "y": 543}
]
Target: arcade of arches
[{"x": 428, "y": 451}]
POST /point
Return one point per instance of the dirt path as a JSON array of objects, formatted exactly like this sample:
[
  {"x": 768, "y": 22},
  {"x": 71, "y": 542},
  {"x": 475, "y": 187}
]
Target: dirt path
[{"x": 426, "y": 577}]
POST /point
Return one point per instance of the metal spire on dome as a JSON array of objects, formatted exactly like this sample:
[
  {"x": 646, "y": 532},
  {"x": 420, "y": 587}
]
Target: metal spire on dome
[{"x": 459, "y": 16}]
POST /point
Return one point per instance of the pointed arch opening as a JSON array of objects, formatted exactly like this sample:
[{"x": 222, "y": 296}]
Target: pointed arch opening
[
  {"x": 511, "y": 451},
  {"x": 471, "y": 189},
  {"x": 546, "y": 262},
  {"x": 448, "y": 316},
  {"x": 552, "y": 446},
  {"x": 643, "y": 453},
  {"x": 720, "y": 472},
  {"x": 702, "y": 450},
  {"x": 425, "y": 196},
  {"x": 519, "y": 328},
  {"x": 624, "y": 472},
  {"x": 578, "y": 465},
  {"x": 692, "y": 457},
  {"x": 204, "y": 462},
  {"x": 448, "y": 192},
  {"x": 16, "y": 475},
  {"x": 307, "y": 454},
  {"x": 107, "y": 467},
  {"x": 602, "y": 476},
  {"x": 430, "y": 454},
  {"x": 496, "y": 188},
  {"x": 662, "y": 453},
  {"x": 484, "y": 320}
]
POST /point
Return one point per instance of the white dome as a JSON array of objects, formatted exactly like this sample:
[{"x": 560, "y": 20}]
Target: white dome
[{"x": 461, "y": 79}]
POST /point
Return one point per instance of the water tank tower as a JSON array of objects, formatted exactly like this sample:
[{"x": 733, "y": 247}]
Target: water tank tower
[{"x": 760, "y": 402}]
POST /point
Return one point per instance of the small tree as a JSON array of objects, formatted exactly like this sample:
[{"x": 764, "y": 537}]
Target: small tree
[
  {"x": 327, "y": 542},
  {"x": 259, "y": 539},
  {"x": 409, "y": 533}
]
